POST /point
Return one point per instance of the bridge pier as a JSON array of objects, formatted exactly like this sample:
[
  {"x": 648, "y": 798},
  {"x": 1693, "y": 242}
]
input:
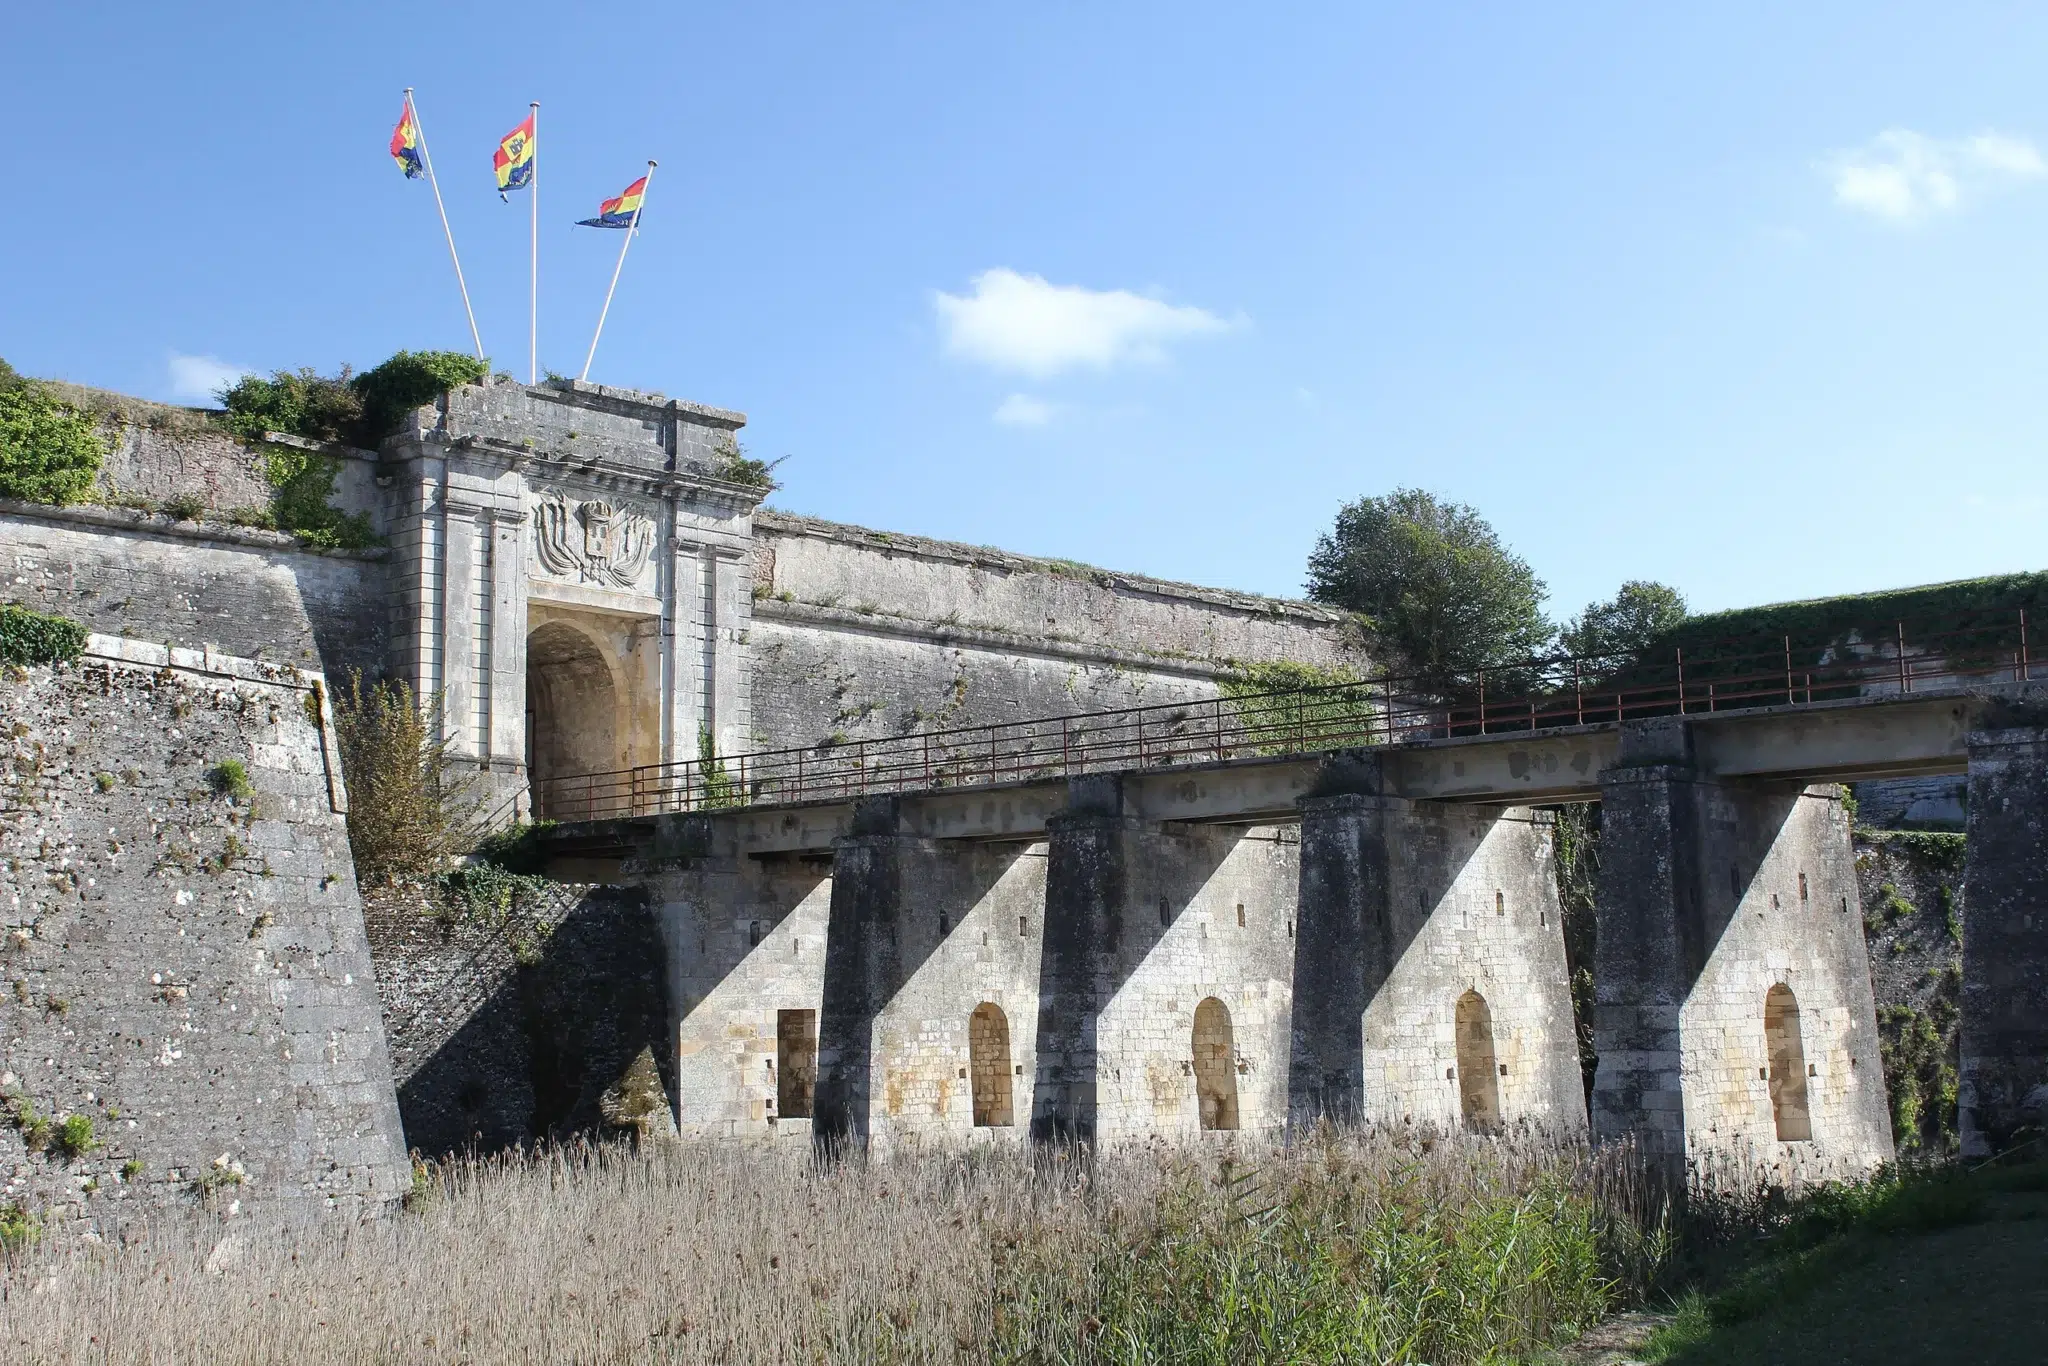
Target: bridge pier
[
  {"x": 1168, "y": 964},
  {"x": 1735, "y": 1024},
  {"x": 931, "y": 985},
  {"x": 1430, "y": 982},
  {"x": 745, "y": 941},
  {"x": 2003, "y": 1082}
]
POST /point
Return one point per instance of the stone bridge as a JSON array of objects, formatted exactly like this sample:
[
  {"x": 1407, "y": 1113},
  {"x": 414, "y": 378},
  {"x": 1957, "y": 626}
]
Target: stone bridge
[{"x": 1169, "y": 943}]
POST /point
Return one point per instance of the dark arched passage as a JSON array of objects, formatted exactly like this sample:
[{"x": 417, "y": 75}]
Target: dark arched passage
[{"x": 571, "y": 716}]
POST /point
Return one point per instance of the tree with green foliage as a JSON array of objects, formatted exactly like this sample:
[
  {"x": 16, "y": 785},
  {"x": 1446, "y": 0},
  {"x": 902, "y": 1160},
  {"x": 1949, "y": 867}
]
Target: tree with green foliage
[
  {"x": 1627, "y": 623},
  {"x": 48, "y": 453},
  {"x": 1435, "y": 582}
]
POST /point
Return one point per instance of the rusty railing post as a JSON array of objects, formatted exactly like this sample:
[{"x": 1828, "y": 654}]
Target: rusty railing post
[
  {"x": 1905, "y": 681},
  {"x": 1790, "y": 696},
  {"x": 1680, "y": 652},
  {"x": 1578, "y": 694}
]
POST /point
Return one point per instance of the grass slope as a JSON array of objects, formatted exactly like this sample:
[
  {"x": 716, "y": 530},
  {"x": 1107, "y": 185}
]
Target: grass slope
[{"x": 1950, "y": 1267}]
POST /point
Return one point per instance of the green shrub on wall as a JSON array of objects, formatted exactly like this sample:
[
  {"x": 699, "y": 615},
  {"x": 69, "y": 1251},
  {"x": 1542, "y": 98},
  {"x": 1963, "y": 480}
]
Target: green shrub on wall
[
  {"x": 358, "y": 409},
  {"x": 301, "y": 402},
  {"x": 302, "y": 485},
  {"x": 31, "y": 638},
  {"x": 407, "y": 381},
  {"x": 48, "y": 453}
]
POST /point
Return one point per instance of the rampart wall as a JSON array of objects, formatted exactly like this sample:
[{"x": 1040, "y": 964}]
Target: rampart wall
[
  {"x": 862, "y": 634},
  {"x": 185, "y": 968}
]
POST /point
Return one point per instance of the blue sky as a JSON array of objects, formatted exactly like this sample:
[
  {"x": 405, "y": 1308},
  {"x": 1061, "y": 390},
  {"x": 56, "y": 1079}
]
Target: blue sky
[{"x": 1751, "y": 302}]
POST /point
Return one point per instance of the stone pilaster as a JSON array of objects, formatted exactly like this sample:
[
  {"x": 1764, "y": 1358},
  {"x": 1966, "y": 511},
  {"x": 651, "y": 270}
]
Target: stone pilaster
[
  {"x": 2003, "y": 1089},
  {"x": 1086, "y": 888},
  {"x": 863, "y": 967},
  {"x": 1343, "y": 953}
]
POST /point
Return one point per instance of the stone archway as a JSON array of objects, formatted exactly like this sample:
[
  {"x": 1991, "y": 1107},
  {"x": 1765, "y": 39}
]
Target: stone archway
[
  {"x": 1787, "y": 1071},
  {"x": 571, "y": 715}
]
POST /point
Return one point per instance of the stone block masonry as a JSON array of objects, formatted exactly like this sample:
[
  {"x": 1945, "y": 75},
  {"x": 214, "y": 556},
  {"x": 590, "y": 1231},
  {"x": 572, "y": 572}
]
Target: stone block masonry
[
  {"x": 1432, "y": 987},
  {"x": 861, "y": 634},
  {"x": 2003, "y": 1073},
  {"x": 1735, "y": 1022},
  {"x": 184, "y": 968}
]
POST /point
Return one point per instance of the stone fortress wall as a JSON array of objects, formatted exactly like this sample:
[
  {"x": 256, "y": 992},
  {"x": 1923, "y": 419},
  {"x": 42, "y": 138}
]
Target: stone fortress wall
[
  {"x": 185, "y": 969},
  {"x": 574, "y": 572},
  {"x": 862, "y": 634}
]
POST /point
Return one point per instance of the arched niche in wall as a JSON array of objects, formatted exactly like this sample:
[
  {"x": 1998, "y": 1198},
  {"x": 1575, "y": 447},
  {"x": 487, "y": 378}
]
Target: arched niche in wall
[
  {"x": 1215, "y": 1065},
  {"x": 988, "y": 1066},
  {"x": 1478, "y": 1067},
  {"x": 1788, "y": 1065},
  {"x": 571, "y": 716}
]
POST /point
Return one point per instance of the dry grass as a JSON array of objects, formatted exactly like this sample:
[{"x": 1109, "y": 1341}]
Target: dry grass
[{"x": 1346, "y": 1249}]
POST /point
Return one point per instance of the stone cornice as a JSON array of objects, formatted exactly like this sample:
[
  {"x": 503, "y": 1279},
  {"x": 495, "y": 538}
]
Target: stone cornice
[
  {"x": 137, "y": 522},
  {"x": 772, "y": 522},
  {"x": 880, "y": 624}
]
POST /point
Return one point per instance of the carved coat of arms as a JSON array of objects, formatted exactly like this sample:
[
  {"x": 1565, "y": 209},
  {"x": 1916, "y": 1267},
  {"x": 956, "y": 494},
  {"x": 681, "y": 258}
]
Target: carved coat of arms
[{"x": 593, "y": 542}]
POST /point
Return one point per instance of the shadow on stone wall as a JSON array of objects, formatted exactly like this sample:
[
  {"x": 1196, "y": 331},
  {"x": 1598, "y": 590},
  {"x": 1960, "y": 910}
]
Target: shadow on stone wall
[{"x": 526, "y": 1031}]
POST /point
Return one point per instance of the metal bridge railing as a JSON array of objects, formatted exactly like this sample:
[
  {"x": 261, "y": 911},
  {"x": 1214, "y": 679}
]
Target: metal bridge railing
[{"x": 1534, "y": 694}]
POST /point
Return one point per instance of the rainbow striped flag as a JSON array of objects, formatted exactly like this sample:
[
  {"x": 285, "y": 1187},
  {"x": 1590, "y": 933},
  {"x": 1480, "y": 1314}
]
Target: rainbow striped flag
[
  {"x": 405, "y": 145},
  {"x": 514, "y": 158},
  {"x": 618, "y": 213}
]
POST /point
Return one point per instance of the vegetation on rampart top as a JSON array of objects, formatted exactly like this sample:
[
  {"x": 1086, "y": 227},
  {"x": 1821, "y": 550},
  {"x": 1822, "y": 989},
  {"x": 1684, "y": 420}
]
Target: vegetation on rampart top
[
  {"x": 49, "y": 453},
  {"x": 357, "y": 409},
  {"x": 735, "y": 465},
  {"x": 33, "y": 638}
]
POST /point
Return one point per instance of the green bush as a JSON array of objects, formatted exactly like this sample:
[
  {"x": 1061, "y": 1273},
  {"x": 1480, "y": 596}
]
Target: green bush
[
  {"x": 48, "y": 453},
  {"x": 18, "y": 1225},
  {"x": 302, "y": 483},
  {"x": 359, "y": 409},
  {"x": 32, "y": 638},
  {"x": 405, "y": 382},
  {"x": 407, "y": 810},
  {"x": 300, "y": 402},
  {"x": 1286, "y": 705}
]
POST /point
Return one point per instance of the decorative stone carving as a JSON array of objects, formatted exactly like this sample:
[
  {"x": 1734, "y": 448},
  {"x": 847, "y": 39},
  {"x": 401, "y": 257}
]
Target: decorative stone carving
[{"x": 593, "y": 542}]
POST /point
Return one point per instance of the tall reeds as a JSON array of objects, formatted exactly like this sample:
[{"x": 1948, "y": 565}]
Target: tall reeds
[{"x": 1345, "y": 1248}]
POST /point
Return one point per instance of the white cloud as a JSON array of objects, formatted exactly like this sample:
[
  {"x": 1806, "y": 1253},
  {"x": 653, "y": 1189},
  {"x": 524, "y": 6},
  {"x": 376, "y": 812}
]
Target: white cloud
[
  {"x": 197, "y": 379},
  {"x": 1024, "y": 323},
  {"x": 1903, "y": 175},
  {"x": 1022, "y": 410}
]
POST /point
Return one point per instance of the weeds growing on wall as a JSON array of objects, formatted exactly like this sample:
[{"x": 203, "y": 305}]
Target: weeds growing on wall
[
  {"x": 301, "y": 490},
  {"x": 1576, "y": 865},
  {"x": 1291, "y": 702},
  {"x": 734, "y": 465},
  {"x": 33, "y": 638},
  {"x": 49, "y": 453},
  {"x": 408, "y": 810},
  {"x": 720, "y": 788}
]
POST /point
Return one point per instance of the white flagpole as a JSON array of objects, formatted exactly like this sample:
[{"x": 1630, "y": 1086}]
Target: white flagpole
[
  {"x": 460, "y": 283},
  {"x": 533, "y": 271},
  {"x": 631, "y": 229}
]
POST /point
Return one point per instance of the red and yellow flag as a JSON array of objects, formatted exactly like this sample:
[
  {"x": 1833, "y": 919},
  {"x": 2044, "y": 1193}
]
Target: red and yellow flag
[
  {"x": 514, "y": 159},
  {"x": 618, "y": 213},
  {"x": 405, "y": 145}
]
